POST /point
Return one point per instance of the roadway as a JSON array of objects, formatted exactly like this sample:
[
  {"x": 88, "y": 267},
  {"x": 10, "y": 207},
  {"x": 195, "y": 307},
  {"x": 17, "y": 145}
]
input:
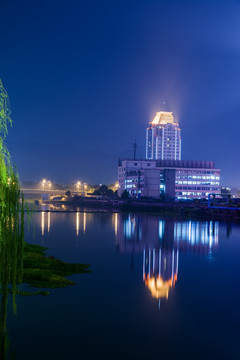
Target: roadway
[{"x": 47, "y": 191}]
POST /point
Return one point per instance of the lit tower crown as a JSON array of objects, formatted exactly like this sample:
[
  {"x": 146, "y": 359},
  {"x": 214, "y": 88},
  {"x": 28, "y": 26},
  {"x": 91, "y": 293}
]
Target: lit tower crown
[{"x": 163, "y": 139}]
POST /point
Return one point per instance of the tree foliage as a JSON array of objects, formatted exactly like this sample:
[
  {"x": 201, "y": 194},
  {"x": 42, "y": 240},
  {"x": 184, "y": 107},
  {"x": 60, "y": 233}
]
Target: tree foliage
[
  {"x": 103, "y": 190},
  {"x": 125, "y": 195},
  {"x": 5, "y": 112},
  {"x": 11, "y": 220}
]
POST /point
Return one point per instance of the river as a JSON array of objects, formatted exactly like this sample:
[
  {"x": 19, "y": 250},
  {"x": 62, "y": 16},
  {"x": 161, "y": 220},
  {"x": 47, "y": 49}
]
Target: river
[{"x": 158, "y": 288}]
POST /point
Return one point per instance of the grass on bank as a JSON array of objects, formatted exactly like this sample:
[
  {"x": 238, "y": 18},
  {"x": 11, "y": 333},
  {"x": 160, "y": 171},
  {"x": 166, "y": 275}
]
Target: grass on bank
[{"x": 42, "y": 271}]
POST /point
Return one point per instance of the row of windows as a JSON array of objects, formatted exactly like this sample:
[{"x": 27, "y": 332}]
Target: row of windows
[
  {"x": 169, "y": 150},
  {"x": 212, "y": 177},
  {"x": 197, "y": 188},
  {"x": 133, "y": 180},
  {"x": 136, "y": 164},
  {"x": 203, "y": 194},
  {"x": 169, "y": 143},
  {"x": 168, "y": 153},
  {"x": 197, "y": 182},
  {"x": 180, "y": 172}
]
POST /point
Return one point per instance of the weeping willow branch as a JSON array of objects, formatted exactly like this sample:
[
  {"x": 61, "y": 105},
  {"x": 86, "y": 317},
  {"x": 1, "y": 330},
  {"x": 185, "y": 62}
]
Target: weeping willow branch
[{"x": 11, "y": 221}]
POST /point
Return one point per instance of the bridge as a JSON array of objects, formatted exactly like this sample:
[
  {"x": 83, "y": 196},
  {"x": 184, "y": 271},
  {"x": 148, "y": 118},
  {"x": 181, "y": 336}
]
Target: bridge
[{"x": 49, "y": 191}]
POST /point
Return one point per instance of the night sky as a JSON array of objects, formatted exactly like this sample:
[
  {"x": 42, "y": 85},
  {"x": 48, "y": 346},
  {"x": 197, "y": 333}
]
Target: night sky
[{"x": 85, "y": 78}]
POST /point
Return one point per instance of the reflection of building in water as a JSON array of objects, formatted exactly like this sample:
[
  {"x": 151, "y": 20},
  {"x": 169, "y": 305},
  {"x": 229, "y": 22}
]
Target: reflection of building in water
[
  {"x": 160, "y": 269},
  {"x": 197, "y": 236},
  {"x": 160, "y": 242},
  {"x": 139, "y": 232}
]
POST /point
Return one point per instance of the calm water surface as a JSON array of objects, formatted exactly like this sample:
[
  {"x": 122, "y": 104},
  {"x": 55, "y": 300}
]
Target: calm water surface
[{"x": 159, "y": 288}]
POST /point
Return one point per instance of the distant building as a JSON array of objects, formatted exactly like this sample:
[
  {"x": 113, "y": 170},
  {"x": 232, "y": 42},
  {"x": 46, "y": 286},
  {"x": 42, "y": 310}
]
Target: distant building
[
  {"x": 225, "y": 190},
  {"x": 163, "y": 140},
  {"x": 171, "y": 179}
]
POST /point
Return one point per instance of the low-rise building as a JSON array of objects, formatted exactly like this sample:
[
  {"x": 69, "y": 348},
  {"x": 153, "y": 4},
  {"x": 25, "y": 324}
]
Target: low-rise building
[{"x": 172, "y": 179}]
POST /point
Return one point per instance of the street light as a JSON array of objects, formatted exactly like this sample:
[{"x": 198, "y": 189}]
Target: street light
[
  {"x": 43, "y": 183},
  {"x": 85, "y": 187},
  {"x": 49, "y": 184},
  {"x": 78, "y": 185}
]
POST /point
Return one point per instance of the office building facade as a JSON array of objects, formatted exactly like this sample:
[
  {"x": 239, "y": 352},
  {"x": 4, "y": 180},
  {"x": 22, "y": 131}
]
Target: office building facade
[
  {"x": 171, "y": 179},
  {"x": 163, "y": 139}
]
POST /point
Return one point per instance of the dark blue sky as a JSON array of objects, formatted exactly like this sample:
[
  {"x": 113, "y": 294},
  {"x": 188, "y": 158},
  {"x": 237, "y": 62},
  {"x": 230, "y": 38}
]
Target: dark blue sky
[{"x": 86, "y": 77}]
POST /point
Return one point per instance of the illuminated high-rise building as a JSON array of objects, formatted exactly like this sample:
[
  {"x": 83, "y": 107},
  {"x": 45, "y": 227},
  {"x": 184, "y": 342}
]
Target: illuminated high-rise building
[{"x": 163, "y": 141}]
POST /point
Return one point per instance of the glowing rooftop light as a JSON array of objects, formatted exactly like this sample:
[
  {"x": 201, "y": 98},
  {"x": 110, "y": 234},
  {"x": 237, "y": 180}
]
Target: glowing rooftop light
[{"x": 163, "y": 117}]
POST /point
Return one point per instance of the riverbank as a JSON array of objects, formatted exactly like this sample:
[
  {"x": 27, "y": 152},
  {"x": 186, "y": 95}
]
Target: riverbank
[{"x": 193, "y": 210}]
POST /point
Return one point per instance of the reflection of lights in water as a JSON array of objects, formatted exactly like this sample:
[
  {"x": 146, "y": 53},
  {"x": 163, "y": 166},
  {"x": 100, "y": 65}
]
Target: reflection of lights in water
[
  {"x": 80, "y": 219},
  {"x": 160, "y": 262},
  {"x": 84, "y": 222},
  {"x": 77, "y": 222},
  {"x": 160, "y": 244},
  {"x": 49, "y": 220},
  {"x": 161, "y": 229},
  {"x": 144, "y": 264},
  {"x": 204, "y": 233},
  {"x": 129, "y": 227},
  {"x": 211, "y": 233},
  {"x": 159, "y": 281},
  {"x": 115, "y": 223},
  {"x": 153, "y": 264},
  {"x": 158, "y": 287},
  {"x": 189, "y": 230},
  {"x": 42, "y": 222}
]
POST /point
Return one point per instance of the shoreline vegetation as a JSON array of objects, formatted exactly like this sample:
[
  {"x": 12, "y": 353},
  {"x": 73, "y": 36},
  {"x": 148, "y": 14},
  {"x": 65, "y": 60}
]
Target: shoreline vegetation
[
  {"x": 42, "y": 271},
  {"x": 21, "y": 264},
  {"x": 45, "y": 272}
]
